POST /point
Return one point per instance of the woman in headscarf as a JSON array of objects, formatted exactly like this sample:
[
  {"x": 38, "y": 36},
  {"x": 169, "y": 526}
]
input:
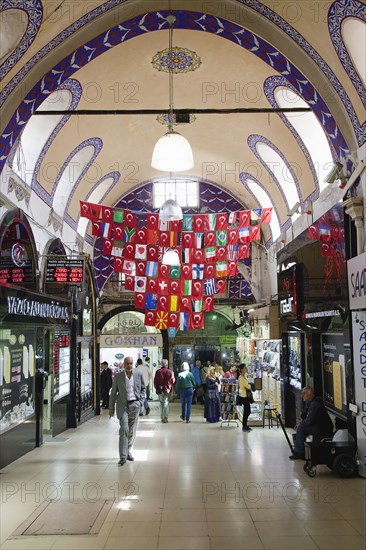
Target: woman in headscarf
[{"x": 212, "y": 398}]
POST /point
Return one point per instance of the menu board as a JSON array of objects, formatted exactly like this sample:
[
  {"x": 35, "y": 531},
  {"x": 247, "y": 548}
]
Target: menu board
[
  {"x": 334, "y": 383},
  {"x": 10, "y": 273},
  {"x": 17, "y": 368},
  {"x": 64, "y": 270},
  {"x": 61, "y": 363}
]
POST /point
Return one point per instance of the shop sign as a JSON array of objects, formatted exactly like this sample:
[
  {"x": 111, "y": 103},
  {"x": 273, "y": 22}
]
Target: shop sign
[
  {"x": 356, "y": 268},
  {"x": 228, "y": 340},
  {"x": 131, "y": 341},
  {"x": 28, "y": 307},
  {"x": 359, "y": 357}
]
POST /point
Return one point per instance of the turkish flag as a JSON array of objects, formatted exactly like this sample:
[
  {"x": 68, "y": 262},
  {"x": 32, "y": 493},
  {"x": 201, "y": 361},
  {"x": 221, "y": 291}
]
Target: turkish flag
[
  {"x": 197, "y": 320},
  {"x": 244, "y": 218},
  {"x": 208, "y": 303},
  {"x": 84, "y": 210},
  {"x": 141, "y": 236},
  {"x": 244, "y": 251},
  {"x": 107, "y": 246},
  {"x": 186, "y": 271},
  {"x": 232, "y": 268},
  {"x": 118, "y": 265},
  {"x": 163, "y": 303},
  {"x": 199, "y": 222},
  {"x": 173, "y": 320},
  {"x": 176, "y": 225},
  {"x": 152, "y": 221},
  {"x": 97, "y": 229},
  {"x": 255, "y": 233},
  {"x": 232, "y": 236},
  {"x": 266, "y": 215},
  {"x": 130, "y": 219},
  {"x": 221, "y": 253},
  {"x": 164, "y": 238},
  {"x": 221, "y": 221},
  {"x": 221, "y": 285},
  {"x": 209, "y": 271},
  {"x": 210, "y": 238},
  {"x": 129, "y": 251},
  {"x": 198, "y": 256},
  {"x": 174, "y": 286},
  {"x": 152, "y": 286},
  {"x": 164, "y": 271},
  {"x": 140, "y": 300},
  {"x": 118, "y": 231},
  {"x": 129, "y": 282},
  {"x": 187, "y": 239},
  {"x": 152, "y": 253},
  {"x": 197, "y": 289},
  {"x": 150, "y": 318},
  {"x": 185, "y": 304},
  {"x": 107, "y": 214},
  {"x": 140, "y": 268}
]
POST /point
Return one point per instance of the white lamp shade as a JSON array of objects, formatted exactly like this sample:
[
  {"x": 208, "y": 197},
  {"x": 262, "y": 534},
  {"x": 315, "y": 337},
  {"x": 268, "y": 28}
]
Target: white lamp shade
[
  {"x": 171, "y": 257},
  {"x": 172, "y": 153},
  {"x": 170, "y": 211}
]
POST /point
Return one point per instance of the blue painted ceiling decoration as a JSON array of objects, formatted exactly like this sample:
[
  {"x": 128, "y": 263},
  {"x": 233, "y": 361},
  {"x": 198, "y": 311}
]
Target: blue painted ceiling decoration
[{"x": 155, "y": 21}]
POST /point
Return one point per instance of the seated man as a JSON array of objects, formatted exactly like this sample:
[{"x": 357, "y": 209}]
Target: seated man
[{"x": 315, "y": 422}]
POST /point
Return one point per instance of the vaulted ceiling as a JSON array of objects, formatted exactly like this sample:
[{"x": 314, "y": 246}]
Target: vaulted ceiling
[{"x": 249, "y": 56}]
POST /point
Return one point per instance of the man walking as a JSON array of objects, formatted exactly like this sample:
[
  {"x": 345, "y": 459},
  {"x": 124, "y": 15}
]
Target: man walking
[
  {"x": 105, "y": 383},
  {"x": 128, "y": 394},
  {"x": 164, "y": 381},
  {"x": 146, "y": 375}
]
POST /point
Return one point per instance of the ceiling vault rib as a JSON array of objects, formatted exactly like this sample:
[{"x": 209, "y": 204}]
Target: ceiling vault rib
[{"x": 93, "y": 112}]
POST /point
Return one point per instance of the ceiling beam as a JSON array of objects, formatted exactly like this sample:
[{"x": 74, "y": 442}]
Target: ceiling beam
[{"x": 181, "y": 112}]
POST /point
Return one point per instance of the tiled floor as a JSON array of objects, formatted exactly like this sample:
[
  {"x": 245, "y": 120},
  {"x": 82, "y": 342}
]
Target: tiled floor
[{"x": 192, "y": 486}]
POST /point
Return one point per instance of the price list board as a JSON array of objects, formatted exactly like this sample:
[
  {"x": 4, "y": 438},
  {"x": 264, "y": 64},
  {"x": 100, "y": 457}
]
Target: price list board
[
  {"x": 10, "y": 273},
  {"x": 61, "y": 363},
  {"x": 64, "y": 270}
]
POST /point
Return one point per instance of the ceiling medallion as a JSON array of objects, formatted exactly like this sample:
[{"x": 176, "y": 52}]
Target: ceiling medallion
[
  {"x": 178, "y": 60},
  {"x": 166, "y": 119}
]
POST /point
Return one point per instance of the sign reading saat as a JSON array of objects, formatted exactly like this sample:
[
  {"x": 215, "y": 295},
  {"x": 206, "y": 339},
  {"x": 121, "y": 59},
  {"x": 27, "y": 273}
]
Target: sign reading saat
[{"x": 357, "y": 281}]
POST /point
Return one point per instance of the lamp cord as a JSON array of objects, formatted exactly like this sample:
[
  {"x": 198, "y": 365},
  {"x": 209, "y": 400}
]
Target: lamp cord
[{"x": 171, "y": 20}]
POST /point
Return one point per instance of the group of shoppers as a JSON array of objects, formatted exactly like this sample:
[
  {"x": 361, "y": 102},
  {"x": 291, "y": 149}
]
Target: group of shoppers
[{"x": 128, "y": 395}]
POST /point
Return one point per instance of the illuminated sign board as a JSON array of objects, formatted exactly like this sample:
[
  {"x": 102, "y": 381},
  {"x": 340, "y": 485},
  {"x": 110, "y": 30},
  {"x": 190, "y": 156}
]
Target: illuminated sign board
[
  {"x": 10, "y": 273},
  {"x": 63, "y": 270}
]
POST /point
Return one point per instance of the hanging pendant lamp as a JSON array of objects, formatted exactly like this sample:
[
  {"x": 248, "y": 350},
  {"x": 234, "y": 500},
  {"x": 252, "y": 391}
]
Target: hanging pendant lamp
[{"x": 172, "y": 152}]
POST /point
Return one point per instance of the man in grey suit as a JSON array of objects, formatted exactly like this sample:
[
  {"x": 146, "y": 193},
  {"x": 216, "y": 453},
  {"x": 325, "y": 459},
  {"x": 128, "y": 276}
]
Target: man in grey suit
[{"x": 129, "y": 392}]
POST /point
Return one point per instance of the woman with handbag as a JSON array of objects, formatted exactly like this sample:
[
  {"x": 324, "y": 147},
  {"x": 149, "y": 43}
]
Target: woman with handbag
[
  {"x": 212, "y": 400},
  {"x": 245, "y": 394}
]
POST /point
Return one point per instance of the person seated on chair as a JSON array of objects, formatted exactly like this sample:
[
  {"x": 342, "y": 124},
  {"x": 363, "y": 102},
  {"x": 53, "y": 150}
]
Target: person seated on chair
[{"x": 315, "y": 421}]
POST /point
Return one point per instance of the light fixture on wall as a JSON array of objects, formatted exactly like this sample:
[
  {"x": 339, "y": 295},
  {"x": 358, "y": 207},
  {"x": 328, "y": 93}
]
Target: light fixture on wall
[{"x": 172, "y": 152}]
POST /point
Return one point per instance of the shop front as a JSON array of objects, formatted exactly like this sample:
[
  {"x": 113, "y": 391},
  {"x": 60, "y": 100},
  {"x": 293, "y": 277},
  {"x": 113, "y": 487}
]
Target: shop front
[{"x": 35, "y": 370}]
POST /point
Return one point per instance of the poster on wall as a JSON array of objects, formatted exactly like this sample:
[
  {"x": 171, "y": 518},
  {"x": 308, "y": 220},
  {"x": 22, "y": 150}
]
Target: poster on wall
[
  {"x": 333, "y": 369},
  {"x": 61, "y": 364},
  {"x": 359, "y": 355},
  {"x": 17, "y": 367}
]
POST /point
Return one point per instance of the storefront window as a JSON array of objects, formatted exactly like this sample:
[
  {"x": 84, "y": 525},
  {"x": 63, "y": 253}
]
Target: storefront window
[{"x": 17, "y": 368}]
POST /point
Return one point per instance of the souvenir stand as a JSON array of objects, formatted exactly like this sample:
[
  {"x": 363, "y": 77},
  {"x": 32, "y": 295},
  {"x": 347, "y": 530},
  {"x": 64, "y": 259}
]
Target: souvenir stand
[{"x": 229, "y": 391}]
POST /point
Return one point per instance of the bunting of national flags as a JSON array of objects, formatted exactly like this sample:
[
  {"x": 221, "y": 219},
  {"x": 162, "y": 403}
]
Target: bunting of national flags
[
  {"x": 332, "y": 246},
  {"x": 209, "y": 247}
]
